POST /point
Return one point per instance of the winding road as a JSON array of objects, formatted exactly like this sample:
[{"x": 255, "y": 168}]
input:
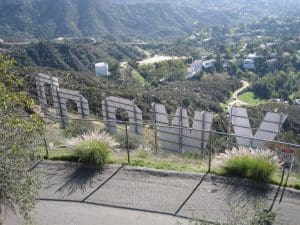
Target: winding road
[{"x": 234, "y": 98}]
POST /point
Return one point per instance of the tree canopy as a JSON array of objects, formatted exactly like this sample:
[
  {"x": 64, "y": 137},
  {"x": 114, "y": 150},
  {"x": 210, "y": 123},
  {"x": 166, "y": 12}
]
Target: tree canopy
[{"x": 19, "y": 134}]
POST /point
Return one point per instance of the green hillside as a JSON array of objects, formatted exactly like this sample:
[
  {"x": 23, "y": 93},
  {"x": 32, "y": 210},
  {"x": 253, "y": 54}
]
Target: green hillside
[
  {"x": 48, "y": 19},
  {"x": 71, "y": 55}
]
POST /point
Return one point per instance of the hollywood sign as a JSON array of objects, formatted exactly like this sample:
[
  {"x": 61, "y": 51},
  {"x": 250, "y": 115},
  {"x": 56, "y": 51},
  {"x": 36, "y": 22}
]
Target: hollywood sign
[{"x": 178, "y": 136}]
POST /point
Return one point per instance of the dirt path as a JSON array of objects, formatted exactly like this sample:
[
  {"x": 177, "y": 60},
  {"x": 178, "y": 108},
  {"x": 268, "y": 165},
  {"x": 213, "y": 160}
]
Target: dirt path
[{"x": 234, "y": 98}]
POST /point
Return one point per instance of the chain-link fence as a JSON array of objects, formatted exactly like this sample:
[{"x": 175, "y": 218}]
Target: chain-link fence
[
  {"x": 181, "y": 194},
  {"x": 152, "y": 146}
]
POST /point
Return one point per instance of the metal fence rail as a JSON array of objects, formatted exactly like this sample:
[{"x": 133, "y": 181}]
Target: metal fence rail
[
  {"x": 131, "y": 143},
  {"x": 152, "y": 190}
]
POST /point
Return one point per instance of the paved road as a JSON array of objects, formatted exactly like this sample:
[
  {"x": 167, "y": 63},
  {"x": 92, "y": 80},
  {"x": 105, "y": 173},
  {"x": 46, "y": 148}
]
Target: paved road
[
  {"x": 74, "y": 193},
  {"x": 81, "y": 213}
]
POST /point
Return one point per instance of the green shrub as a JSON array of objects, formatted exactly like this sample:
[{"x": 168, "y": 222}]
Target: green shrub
[
  {"x": 257, "y": 164},
  {"x": 256, "y": 168},
  {"x": 93, "y": 153}
]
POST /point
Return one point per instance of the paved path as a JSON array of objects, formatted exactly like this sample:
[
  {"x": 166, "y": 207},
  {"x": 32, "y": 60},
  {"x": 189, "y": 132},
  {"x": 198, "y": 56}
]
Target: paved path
[
  {"x": 67, "y": 213},
  {"x": 74, "y": 193}
]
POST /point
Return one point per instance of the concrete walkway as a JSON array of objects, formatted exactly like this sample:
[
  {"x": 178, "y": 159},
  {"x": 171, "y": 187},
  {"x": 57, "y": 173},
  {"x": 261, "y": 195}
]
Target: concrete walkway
[
  {"x": 68, "y": 213},
  {"x": 72, "y": 194}
]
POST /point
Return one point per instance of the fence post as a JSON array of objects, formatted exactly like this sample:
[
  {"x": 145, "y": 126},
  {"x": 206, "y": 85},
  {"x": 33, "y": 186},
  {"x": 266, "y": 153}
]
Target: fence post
[
  {"x": 127, "y": 143},
  {"x": 203, "y": 134},
  {"x": 210, "y": 151},
  {"x": 135, "y": 119},
  {"x": 81, "y": 107},
  {"x": 180, "y": 130},
  {"x": 60, "y": 110},
  {"x": 229, "y": 129},
  {"x": 155, "y": 127},
  {"x": 46, "y": 148}
]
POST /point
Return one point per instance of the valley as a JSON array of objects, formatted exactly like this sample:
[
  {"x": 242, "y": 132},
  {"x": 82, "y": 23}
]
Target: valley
[{"x": 201, "y": 68}]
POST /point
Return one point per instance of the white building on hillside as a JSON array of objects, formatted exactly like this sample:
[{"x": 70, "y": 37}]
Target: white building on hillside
[
  {"x": 102, "y": 69},
  {"x": 195, "y": 68},
  {"x": 252, "y": 56},
  {"x": 209, "y": 63},
  {"x": 249, "y": 64}
]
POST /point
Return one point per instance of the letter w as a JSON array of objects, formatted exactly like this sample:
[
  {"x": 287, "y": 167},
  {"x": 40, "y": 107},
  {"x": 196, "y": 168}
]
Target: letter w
[{"x": 179, "y": 136}]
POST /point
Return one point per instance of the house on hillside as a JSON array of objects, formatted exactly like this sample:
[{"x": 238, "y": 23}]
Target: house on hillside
[
  {"x": 101, "y": 69},
  {"x": 249, "y": 64},
  {"x": 209, "y": 63},
  {"x": 272, "y": 61},
  {"x": 271, "y": 44},
  {"x": 196, "y": 67},
  {"x": 225, "y": 63},
  {"x": 252, "y": 56}
]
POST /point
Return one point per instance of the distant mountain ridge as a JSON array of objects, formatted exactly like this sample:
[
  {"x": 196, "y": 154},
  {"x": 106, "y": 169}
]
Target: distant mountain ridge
[{"x": 48, "y": 19}]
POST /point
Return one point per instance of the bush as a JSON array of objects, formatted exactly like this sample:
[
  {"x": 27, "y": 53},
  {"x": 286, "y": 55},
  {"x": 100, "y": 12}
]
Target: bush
[
  {"x": 248, "y": 166},
  {"x": 257, "y": 164},
  {"x": 93, "y": 153}
]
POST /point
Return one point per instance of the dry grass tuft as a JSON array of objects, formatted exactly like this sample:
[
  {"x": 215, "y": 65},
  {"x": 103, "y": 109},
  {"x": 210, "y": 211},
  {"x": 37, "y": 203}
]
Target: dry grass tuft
[
  {"x": 257, "y": 164},
  {"x": 93, "y": 136}
]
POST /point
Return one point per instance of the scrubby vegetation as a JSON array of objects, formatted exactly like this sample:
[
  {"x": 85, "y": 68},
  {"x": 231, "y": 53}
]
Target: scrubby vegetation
[
  {"x": 19, "y": 138},
  {"x": 257, "y": 164},
  {"x": 280, "y": 85},
  {"x": 72, "y": 54},
  {"x": 167, "y": 70}
]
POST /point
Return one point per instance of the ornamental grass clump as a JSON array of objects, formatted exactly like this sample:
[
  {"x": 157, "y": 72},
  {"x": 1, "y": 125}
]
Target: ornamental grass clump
[
  {"x": 93, "y": 153},
  {"x": 93, "y": 148},
  {"x": 256, "y": 164}
]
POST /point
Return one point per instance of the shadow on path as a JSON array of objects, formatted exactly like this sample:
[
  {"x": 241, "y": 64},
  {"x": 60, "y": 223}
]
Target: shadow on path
[
  {"x": 78, "y": 180},
  {"x": 191, "y": 194}
]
